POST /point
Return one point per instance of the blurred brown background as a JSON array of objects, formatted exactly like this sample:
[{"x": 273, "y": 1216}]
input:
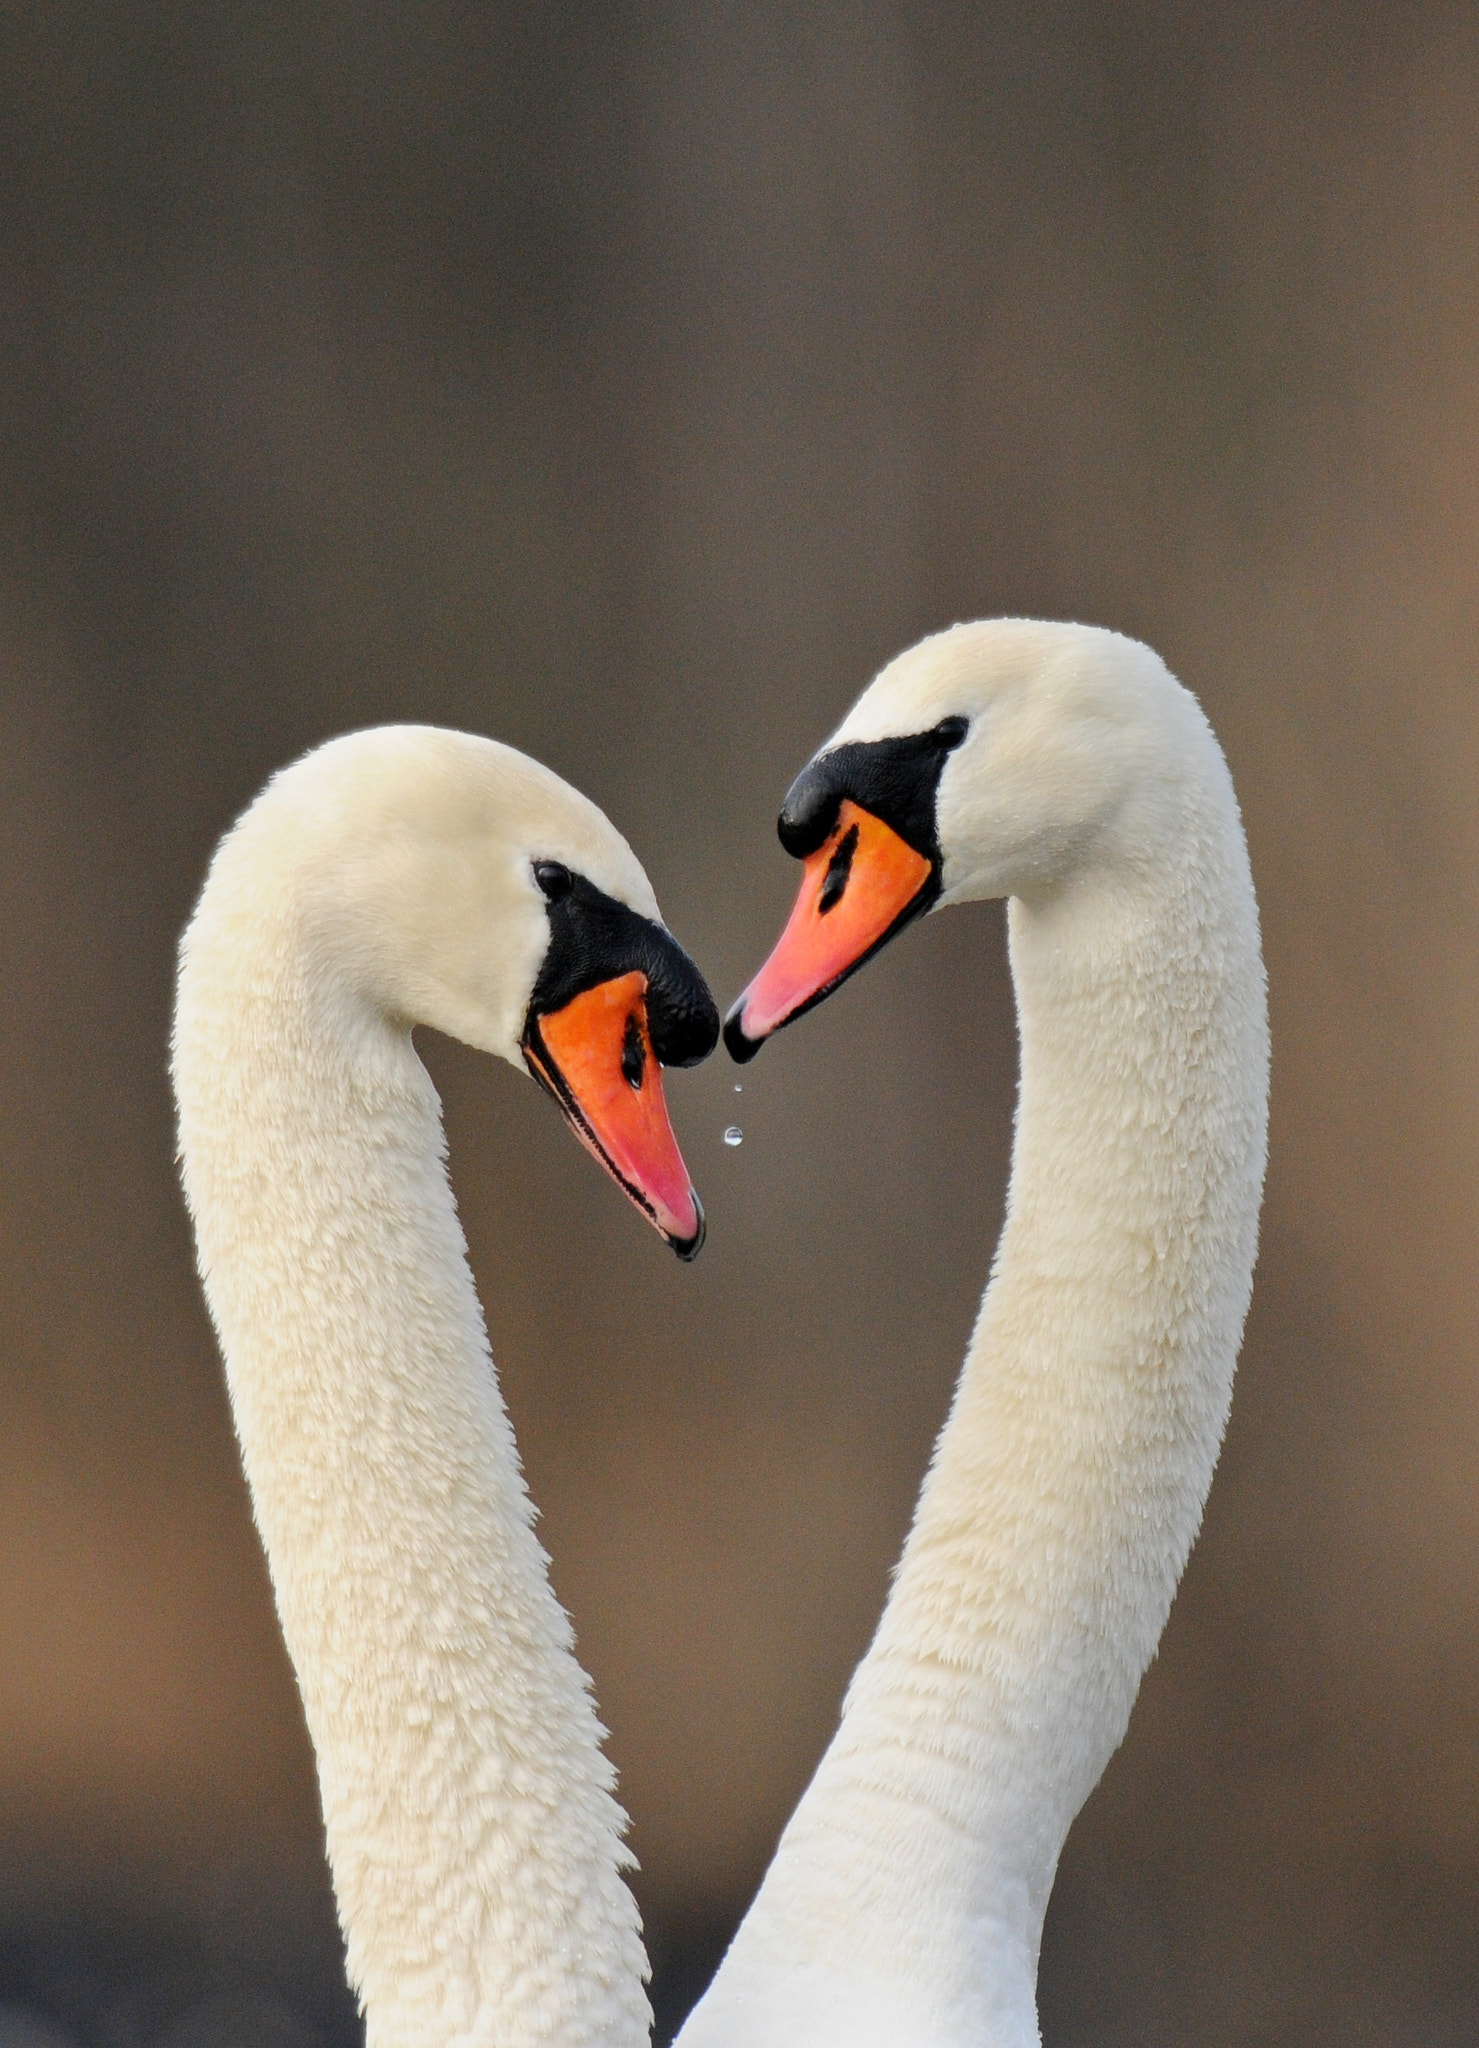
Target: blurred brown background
[{"x": 630, "y": 382}]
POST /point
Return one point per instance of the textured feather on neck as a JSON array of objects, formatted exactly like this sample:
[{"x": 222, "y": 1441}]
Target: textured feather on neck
[
  {"x": 904, "y": 1907},
  {"x": 474, "y": 1838}
]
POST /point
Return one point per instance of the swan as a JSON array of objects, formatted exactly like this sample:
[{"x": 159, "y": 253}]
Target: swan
[
  {"x": 393, "y": 877},
  {"x": 1064, "y": 768}
]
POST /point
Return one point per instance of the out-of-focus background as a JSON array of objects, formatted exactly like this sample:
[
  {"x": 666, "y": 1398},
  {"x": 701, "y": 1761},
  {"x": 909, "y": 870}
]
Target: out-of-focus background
[{"x": 630, "y": 383}]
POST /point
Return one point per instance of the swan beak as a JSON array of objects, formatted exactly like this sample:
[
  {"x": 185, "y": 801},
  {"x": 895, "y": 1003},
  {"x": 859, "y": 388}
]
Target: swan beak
[
  {"x": 595, "y": 1057},
  {"x": 861, "y": 885}
]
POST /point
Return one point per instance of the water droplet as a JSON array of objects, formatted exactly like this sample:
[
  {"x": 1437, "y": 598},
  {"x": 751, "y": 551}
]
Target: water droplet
[
  {"x": 738, "y": 1089},
  {"x": 734, "y": 1135}
]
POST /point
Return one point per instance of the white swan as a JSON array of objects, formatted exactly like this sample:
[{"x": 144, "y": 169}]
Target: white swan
[
  {"x": 1065, "y": 768},
  {"x": 397, "y": 877}
]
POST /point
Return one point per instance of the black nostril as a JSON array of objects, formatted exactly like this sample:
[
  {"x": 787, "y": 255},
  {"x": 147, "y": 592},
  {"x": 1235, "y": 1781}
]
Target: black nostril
[
  {"x": 633, "y": 1053},
  {"x": 838, "y": 870}
]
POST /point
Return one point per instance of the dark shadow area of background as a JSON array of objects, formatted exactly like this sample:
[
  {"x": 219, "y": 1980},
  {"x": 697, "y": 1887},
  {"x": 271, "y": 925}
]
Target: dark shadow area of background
[{"x": 630, "y": 383}]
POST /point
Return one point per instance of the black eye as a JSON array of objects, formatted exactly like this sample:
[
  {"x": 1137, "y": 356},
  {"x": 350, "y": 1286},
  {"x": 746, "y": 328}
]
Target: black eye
[
  {"x": 554, "y": 878},
  {"x": 633, "y": 1053},
  {"x": 951, "y": 731},
  {"x": 839, "y": 867}
]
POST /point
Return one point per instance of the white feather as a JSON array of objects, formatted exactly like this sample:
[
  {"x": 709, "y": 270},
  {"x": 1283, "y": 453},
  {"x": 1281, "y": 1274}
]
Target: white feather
[
  {"x": 905, "y": 1904},
  {"x": 475, "y": 1841}
]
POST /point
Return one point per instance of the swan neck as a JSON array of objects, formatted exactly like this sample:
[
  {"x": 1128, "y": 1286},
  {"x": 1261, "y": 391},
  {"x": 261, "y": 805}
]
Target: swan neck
[
  {"x": 906, "y": 1900},
  {"x": 475, "y": 1842}
]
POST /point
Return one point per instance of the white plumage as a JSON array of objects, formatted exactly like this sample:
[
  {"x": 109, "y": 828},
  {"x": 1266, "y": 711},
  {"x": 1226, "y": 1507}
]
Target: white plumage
[
  {"x": 905, "y": 1904},
  {"x": 475, "y": 1841}
]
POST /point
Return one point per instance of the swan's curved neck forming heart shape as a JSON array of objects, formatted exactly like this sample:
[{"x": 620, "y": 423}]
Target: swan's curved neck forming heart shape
[
  {"x": 413, "y": 876},
  {"x": 398, "y": 877},
  {"x": 905, "y": 1904}
]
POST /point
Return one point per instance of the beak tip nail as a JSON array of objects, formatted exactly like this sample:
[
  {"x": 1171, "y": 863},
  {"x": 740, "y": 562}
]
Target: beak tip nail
[
  {"x": 688, "y": 1248},
  {"x": 740, "y": 1047}
]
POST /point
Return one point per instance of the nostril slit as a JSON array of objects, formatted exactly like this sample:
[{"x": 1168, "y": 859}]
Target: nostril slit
[
  {"x": 633, "y": 1053},
  {"x": 838, "y": 869}
]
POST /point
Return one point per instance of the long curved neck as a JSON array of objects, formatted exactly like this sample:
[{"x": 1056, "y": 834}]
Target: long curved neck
[
  {"x": 472, "y": 1831},
  {"x": 906, "y": 1900}
]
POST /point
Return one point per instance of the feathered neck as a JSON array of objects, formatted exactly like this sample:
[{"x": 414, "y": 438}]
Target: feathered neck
[
  {"x": 906, "y": 1900},
  {"x": 474, "y": 1839}
]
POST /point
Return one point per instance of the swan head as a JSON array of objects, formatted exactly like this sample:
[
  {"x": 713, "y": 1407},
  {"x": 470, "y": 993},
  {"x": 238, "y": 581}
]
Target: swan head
[
  {"x": 447, "y": 880},
  {"x": 989, "y": 760}
]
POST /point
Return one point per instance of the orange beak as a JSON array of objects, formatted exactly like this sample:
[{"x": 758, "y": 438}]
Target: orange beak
[
  {"x": 595, "y": 1057},
  {"x": 857, "y": 889}
]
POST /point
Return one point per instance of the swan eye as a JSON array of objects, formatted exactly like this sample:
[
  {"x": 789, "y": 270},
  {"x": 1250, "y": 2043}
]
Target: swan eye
[
  {"x": 633, "y": 1053},
  {"x": 838, "y": 870},
  {"x": 554, "y": 878}
]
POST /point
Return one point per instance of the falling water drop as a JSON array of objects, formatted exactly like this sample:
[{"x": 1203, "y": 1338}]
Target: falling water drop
[{"x": 734, "y": 1135}]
